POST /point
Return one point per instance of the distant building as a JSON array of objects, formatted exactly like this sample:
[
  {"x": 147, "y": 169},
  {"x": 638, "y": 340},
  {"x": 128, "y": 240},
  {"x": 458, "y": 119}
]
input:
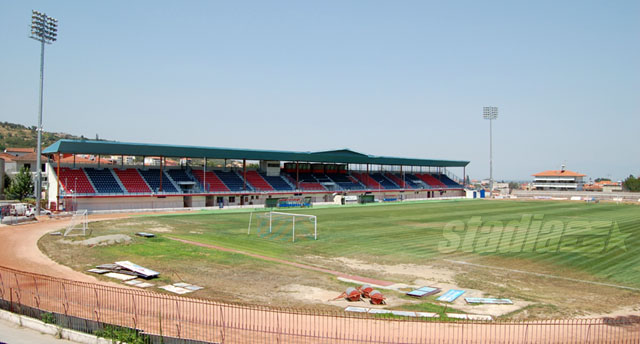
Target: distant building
[
  {"x": 558, "y": 180},
  {"x": 19, "y": 151},
  {"x": 604, "y": 186}
]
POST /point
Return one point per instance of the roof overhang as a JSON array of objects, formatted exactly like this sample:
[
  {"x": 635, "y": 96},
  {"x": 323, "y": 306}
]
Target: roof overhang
[{"x": 143, "y": 149}]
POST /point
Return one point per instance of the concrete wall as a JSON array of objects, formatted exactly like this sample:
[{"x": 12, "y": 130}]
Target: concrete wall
[{"x": 117, "y": 203}]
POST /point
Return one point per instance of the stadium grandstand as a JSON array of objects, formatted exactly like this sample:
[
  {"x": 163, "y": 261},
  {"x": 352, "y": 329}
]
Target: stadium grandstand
[{"x": 253, "y": 178}]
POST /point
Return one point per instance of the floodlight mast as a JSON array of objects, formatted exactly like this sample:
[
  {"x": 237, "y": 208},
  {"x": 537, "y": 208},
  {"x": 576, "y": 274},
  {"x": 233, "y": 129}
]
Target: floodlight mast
[
  {"x": 490, "y": 113},
  {"x": 44, "y": 29}
]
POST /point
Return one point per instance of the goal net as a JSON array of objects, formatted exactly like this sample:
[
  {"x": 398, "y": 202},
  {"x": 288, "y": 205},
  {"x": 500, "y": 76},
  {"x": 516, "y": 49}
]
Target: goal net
[
  {"x": 78, "y": 225},
  {"x": 283, "y": 226}
]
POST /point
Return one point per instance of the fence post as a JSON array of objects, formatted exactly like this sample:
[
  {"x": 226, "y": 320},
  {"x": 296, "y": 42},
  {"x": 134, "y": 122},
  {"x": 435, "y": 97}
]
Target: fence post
[
  {"x": 97, "y": 309},
  {"x": 178, "y": 318},
  {"x": 11, "y": 300},
  {"x": 135, "y": 312},
  {"x": 37, "y": 295},
  {"x": 222, "y": 328}
]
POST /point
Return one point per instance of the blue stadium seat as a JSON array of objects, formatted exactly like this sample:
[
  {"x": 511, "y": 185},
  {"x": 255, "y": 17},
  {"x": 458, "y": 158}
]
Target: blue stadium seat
[
  {"x": 232, "y": 180},
  {"x": 447, "y": 181},
  {"x": 179, "y": 175},
  {"x": 277, "y": 182},
  {"x": 103, "y": 180},
  {"x": 384, "y": 181},
  {"x": 152, "y": 176}
]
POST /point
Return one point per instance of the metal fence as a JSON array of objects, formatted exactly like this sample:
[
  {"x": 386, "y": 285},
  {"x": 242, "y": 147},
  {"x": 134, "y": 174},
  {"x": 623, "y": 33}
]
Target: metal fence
[{"x": 87, "y": 306}]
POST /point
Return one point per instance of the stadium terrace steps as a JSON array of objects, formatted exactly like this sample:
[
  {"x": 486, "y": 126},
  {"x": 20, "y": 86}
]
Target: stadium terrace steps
[
  {"x": 179, "y": 175},
  {"x": 132, "y": 180},
  {"x": 258, "y": 183},
  {"x": 382, "y": 180},
  {"x": 103, "y": 181},
  {"x": 401, "y": 183},
  {"x": 431, "y": 180},
  {"x": 448, "y": 181},
  {"x": 366, "y": 179},
  {"x": 279, "y": 183},
  {"x": 75, "y": 181},
  {"x": 307, "y": 186},
  {"x": 213, "y": 183},
  {"x": 152, "y": 177},
  {"x": 231, "y": 180},
  {"x": 412, "y": 181},
  {"x": 346, "y": 182}
]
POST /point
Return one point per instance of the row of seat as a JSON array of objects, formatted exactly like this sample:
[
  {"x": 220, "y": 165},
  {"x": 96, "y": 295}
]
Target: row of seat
[{"x": 110, "y": 181}]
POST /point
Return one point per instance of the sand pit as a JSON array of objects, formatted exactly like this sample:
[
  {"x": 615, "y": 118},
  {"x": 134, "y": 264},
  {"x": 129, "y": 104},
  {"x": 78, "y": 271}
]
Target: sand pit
[{"x": 103, "y": 240}]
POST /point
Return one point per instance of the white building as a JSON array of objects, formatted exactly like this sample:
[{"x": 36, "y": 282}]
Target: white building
[{"x": 558, "y": 180}]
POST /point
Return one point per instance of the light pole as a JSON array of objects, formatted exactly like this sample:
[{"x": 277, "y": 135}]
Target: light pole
[
  {"x": 44, "y": 29},
  {"x": 490, "y": 113}
]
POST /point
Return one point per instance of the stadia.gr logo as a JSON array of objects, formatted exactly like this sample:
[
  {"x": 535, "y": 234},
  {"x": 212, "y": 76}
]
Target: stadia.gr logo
[{"x": 531, "y": 234}]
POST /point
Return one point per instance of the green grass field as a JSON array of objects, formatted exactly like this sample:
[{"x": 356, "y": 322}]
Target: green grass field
[
  {"x": 410, "y": 233},
  {"x": 591, "y": 242}
]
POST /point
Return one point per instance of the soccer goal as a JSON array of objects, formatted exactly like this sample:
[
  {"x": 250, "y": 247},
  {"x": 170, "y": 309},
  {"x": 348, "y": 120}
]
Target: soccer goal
[
  {"x": 79, "y": 222},
  {"x": 279, "y": 225}
]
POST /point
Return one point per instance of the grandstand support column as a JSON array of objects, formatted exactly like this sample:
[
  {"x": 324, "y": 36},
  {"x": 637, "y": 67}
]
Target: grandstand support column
[
  {"x": 160, "y": 187},
  {"x": 244, "y": 174},
  {"x": 297, "y": 175},
  {"x": 204, "y": 175},
  {"x": 58, "y": 181},
  {"x": 464, "y": 176},
  {"x": 367, "y": 179}
]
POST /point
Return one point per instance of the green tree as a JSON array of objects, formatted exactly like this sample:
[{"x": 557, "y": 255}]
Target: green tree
[
  {"x": 631, "y": 184},
  {"x": 21, "y": 186},
  {"x": 602, "y": 179}
]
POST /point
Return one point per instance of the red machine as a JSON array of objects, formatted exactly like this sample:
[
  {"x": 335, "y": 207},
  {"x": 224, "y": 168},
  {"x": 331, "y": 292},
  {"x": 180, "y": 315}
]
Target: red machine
[
  {"x": 352, "y": 294},
  {"x": 377, "y": 298},
  {"x": 365, "y": 290}
]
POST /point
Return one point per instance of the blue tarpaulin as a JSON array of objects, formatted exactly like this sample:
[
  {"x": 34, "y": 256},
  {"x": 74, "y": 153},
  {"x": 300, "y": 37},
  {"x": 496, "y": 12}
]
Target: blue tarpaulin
[
  {"x": 424, "y": 291},
  {"x": 488, "y": 300},
  {"x": 450, "y": 295}
]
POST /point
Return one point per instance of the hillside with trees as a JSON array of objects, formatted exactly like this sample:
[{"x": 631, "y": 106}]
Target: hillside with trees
[{"x": 20, "y": 136}]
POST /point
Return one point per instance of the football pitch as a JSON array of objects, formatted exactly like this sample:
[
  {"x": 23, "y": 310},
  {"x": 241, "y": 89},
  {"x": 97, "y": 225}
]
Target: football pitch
[{"x": 562, "y": 258}]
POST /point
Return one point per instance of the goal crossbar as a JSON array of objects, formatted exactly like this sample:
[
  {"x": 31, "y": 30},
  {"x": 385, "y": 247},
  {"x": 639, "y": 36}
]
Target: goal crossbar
[{"x": 293, "y": 216}]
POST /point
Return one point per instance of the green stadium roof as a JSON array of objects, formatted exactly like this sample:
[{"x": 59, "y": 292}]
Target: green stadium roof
[{"x": 144, "y": 149}]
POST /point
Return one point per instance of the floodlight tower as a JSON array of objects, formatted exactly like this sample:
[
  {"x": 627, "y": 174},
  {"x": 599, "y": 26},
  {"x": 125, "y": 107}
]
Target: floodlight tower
[
  {"x": 490, "y": 113},
  {"x": 44, "y": 29}
]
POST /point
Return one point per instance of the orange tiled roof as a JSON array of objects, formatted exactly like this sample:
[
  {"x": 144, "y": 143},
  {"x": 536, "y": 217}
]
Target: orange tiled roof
[
  {"x": 559, "y": 173},
  {"x": 30, "y": 157},
  {"x": 21, "y": 150},
  {"x": 7, "y": 157}
]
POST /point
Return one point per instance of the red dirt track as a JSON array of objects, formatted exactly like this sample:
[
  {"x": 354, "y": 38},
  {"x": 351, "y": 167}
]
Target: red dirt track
[{"x": 30, "y": 277}]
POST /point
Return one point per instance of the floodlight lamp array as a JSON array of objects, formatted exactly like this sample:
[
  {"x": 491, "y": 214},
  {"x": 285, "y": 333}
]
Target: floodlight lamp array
[
  {"x": 43, "y": 27},
  {"x": 490, "y": 112}
]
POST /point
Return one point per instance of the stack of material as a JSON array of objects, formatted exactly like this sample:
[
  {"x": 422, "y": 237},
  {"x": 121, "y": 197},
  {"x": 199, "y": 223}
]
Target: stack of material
[
  {"x": 424, "y": 291},
  {"x": 126, "y": 268},
  {"x": 180, "y": 288}
]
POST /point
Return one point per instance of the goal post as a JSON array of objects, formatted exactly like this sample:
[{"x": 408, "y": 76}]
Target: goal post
[
  {"x": 276, "y": 223},
  {"x": 79, "y": 221}
]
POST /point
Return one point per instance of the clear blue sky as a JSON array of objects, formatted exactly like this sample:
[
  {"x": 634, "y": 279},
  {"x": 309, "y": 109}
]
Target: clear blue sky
[{"x": 402, "y": 78}]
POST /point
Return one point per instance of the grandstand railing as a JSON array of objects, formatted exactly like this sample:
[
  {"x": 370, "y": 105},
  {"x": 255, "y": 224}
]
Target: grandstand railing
[{"x": 88, "y": 307}]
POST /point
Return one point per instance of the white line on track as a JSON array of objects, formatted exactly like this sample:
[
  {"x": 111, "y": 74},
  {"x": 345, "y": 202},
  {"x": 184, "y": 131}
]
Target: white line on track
[{"x": 543, "y": 275}]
